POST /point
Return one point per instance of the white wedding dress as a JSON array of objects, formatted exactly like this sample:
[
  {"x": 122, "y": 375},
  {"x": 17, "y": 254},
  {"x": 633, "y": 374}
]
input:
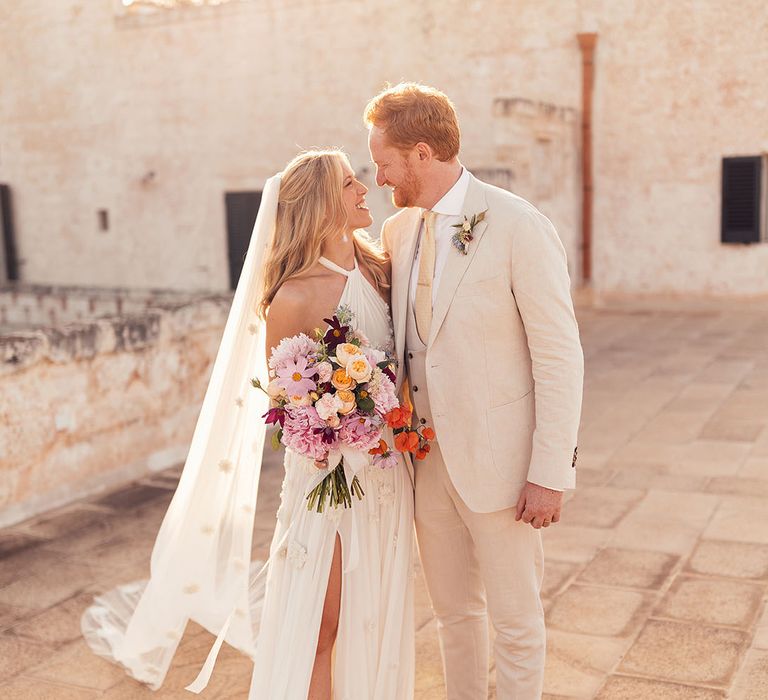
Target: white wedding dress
[
  {"x": 374, "y": 657},
  {"x": 139, "y": 625}
]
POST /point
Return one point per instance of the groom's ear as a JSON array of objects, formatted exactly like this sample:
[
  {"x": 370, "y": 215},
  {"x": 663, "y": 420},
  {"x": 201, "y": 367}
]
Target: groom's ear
[{"x": 424, "y": 152}]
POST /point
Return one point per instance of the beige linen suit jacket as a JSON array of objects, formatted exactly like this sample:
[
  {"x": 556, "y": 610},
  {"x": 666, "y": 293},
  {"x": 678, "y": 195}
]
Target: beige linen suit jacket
[{"x": 504, "y": 363}]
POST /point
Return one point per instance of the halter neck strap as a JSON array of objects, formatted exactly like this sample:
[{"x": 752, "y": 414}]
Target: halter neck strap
[{"x": 337, "y": 268}]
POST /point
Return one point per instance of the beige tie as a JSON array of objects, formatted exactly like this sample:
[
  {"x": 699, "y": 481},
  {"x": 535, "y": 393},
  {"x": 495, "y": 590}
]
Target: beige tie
[{"x": 423, "y": 306}]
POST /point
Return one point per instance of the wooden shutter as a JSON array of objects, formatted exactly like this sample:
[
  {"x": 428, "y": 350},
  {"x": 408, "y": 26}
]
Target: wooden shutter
[{"x": 741, "y": 205}]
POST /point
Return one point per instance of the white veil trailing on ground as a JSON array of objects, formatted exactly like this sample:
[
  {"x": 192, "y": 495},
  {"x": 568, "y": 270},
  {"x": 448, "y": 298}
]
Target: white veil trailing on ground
[{"x": 200, "y": 568}]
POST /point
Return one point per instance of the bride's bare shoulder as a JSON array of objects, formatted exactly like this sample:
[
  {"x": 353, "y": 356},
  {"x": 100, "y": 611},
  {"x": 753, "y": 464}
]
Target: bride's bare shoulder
[{"x": 298, "y": 305}]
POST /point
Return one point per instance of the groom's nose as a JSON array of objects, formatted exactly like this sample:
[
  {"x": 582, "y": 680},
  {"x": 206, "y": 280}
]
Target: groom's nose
[{"x": 380, "y": 181}]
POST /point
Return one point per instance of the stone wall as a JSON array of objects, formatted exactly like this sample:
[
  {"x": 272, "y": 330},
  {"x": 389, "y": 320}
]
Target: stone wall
[
  {"x": 154, "y": 117},
  {"x": 87, "y": 405}
]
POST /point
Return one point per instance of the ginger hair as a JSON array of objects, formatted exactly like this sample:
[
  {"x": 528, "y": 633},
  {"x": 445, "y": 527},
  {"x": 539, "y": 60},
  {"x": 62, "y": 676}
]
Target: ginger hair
[{"x": 410, "y": 113}]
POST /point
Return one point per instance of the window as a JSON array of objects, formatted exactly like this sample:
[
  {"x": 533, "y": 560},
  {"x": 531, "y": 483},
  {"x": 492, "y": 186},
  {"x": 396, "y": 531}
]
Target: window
[
  {"x": 743, "y": 213},
  {"x": 241, "y": 210}
]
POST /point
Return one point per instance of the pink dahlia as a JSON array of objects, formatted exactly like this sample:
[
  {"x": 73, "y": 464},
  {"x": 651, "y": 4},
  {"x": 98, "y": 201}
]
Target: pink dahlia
[
  {"x": 291, "y": 349},
  {"x": 300, "y": 432},
  {"x": 360, "y": 432},
  {"x": 382, "y": 391}
]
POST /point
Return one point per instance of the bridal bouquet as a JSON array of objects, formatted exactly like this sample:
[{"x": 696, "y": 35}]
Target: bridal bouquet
[{"x": 332, "y": 397}]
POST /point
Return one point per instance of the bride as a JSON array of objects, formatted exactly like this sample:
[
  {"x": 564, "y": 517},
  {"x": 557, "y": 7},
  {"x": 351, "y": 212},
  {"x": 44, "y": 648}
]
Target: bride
[{"x": 330, "y": 613}]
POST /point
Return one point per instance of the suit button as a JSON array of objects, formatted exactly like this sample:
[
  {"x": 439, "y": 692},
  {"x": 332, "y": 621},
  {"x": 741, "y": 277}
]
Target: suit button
[
  {"x": 415, "y": 388},
  {"x": 423, "y": 420},
  {"x": 410, "y": 355}
]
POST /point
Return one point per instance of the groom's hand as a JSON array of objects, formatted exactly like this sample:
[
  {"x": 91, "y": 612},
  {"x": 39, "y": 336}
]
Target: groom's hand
[{"x": 538, "y": 505}]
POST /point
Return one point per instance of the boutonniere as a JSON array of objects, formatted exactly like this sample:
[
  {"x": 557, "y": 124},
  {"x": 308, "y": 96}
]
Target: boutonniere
[{"x": 463, "y": 236}]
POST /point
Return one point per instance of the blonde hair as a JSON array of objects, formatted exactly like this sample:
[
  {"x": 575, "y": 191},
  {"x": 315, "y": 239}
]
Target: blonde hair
[
  {"x": 310, "y": 210},
  {"x": 410, "y": 113}
]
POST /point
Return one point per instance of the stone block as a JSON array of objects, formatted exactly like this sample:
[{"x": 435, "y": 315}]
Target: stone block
[
  {"x": 739, "y": 486},
  {"x": 607, "y": 612},
  {"x": 77, "y": 665},
  {"x": 18, "y": 654},
  {"x": 752, "y": 680},
  {"x": 600, "y": 506},
  {"x": 58, "y": 625},
  {"x": 712, "y": 601},
  {"x": 24, "y": 688},
  {"x": 629, "y": 688},
  {"x": 556, "y": 575},
  {"x": 733, "y": 559},
  {"x": 693, "y": 654},
  {"x": 666, "y": 522},
  {"x": 629, "y": 568},
  {"x": 659, "y": 477},
  {"x": 731, "y": 430},
  {"x": 740, "y": 520},
  {"x": 575, "y": 663},
  {"x": 573, "y": 543},
  {"x": 754, "y": 468}
]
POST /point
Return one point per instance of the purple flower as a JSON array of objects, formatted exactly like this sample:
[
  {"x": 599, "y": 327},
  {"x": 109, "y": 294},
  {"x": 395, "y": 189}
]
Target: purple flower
[
  {"x": 386, "y": 461},
  {"x": 295, "y": 377},
  {"x": 336, "y": 333},
  {"x": 327, "y": 434},
  {"x": 274, "y": 416}
]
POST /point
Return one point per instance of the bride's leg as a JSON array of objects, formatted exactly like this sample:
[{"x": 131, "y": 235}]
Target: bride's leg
[{"x": 320, "y": 685}]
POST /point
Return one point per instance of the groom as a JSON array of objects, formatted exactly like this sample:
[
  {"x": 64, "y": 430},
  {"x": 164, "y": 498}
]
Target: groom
[{"x": 485, "y": 324}]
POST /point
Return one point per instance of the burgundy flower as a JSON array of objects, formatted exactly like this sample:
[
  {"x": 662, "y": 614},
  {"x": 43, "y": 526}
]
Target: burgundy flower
[
  {"x": 328, "y": 435},
  {"x": 274, "y": 416},
  {"x": 336, "y": 333}
]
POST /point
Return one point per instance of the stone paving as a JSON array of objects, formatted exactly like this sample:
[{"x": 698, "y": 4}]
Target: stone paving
[{"x": 656, "y": 579}]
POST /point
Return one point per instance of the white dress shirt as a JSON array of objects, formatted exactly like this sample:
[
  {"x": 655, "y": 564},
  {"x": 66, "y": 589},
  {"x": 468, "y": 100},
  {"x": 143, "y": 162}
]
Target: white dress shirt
[{"x": 448, "y": 212}]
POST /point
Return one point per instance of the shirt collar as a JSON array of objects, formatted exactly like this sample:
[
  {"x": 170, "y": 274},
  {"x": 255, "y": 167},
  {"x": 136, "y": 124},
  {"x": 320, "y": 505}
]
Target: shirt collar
[{"x": 452, "y": 202}]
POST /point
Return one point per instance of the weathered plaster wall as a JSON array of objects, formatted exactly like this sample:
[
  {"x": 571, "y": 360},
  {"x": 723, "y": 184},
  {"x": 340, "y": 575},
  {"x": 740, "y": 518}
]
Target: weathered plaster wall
[
  {"x": 87, "y": 405},
  {"x": 679, "y": 86}
]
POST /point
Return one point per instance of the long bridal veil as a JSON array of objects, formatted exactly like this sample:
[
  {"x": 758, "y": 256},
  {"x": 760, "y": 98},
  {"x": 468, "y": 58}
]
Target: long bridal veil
[{"x": 200, "y": 567}]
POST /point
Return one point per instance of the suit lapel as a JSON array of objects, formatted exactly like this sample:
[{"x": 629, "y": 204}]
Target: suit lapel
[
  {"x": 402, "y": 263},
  {"x": 457, "y": 263}
]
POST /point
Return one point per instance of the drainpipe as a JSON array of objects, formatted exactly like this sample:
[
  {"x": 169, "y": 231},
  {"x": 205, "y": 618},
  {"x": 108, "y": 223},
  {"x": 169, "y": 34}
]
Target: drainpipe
[{"x": 587, "y": 43}]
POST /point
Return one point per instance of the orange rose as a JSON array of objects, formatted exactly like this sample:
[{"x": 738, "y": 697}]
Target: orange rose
[
  {"x": 348, "y": 399},
  {"x": 359, "y": 368},
  {"x": 428, "y": 434},
  {"x": 341, "y": 380},
  {"x": 421, "y": 454}
]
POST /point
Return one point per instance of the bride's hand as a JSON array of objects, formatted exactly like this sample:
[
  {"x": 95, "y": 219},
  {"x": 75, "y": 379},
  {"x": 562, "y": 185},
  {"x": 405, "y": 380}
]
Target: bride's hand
[{"x": 321, "y": 463}]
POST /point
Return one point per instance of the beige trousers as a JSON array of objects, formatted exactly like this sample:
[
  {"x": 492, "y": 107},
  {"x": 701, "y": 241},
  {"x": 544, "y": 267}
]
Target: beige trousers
[{"x": 475, "y": 565}]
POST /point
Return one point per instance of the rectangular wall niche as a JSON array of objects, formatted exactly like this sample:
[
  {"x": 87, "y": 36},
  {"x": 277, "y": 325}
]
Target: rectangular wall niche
[{"x": 167, "y": 4}]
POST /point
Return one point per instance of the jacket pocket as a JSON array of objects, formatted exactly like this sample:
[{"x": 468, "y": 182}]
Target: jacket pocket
[{"x": 510, "y": 434}]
